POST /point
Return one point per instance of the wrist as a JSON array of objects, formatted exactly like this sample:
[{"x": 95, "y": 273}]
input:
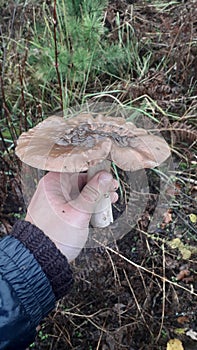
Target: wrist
[{"x": 52, "y": 261}]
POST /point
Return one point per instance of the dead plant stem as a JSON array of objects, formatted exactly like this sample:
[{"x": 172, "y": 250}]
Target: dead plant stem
[
  {"x": 136, "y": 301},
  {"x": 148, "y": 271},
  {"x": 21, "y": 79},
  {"x": 8, "y": 120},
  {"x": 56, "y": 56},
  {"x": 164, "y": 294}
]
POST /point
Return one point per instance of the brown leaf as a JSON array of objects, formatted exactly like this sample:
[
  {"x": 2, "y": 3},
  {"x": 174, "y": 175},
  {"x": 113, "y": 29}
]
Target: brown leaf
[
  {"x": 182, "y": 274},
  {"x": 167, "y": 218},
  {"x": 183, "y": 319},
  {"x": 188, "y": 279}
]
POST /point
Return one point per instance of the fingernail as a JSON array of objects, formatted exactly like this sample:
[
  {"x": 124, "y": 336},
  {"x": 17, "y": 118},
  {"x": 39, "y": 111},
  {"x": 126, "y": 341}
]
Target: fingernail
[{"x": 105, "y": 178}]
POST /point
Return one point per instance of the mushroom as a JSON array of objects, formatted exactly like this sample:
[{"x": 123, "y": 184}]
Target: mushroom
[{"x": 90, "y": 143}]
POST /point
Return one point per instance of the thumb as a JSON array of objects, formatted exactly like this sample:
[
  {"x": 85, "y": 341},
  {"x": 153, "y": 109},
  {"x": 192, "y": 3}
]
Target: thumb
[{"x": 93, "y": 191}]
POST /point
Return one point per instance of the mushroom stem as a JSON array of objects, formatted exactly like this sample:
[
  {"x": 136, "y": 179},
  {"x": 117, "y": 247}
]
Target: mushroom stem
[{"x": 102, "y": 217}]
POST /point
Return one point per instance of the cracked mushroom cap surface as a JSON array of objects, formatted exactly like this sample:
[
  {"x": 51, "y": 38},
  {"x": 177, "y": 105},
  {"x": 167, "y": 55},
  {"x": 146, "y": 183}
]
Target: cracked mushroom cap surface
[{"x": 75, "y": 144}]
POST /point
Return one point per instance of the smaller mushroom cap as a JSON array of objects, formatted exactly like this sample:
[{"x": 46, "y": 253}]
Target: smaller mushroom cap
[{"x": 75, "y": 144}]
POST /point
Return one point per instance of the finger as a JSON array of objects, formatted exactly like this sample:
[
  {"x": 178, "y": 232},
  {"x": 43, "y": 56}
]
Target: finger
[
  {"x": 114, "y": 185},
  {"x": 77, "y": 182},
  {"x": 93, "y": 191},
  {"x": 82, "y": 180},
  {"x": 54, "y": 182},
  {"x": 71, "y": 184},
  {"x": 113, "y": 197},
  {"x": 56, "y": 187}
]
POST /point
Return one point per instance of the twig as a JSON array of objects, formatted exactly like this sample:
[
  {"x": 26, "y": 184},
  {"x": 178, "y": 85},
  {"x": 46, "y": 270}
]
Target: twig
[
  {"x": 8, "y": 120},
  {"x": 146, "y": 270},
  {"x": 4, "y": 46},
  {"x": 164, "y": 294},
  {"x": 21, "y": 79},
  {"x": 56, "y": 57},
  {"x": 99, "y": 341},
  {"x": 189, "y": 180},
  {"x": 136, "y": 301}
]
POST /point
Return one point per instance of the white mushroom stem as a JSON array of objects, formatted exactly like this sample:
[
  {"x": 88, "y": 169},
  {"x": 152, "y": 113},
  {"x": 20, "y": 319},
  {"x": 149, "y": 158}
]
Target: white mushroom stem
[{"x": 102, "y": 217}]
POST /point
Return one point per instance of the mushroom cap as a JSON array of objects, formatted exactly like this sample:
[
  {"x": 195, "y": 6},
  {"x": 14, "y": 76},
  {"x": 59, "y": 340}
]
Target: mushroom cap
[{"x": 75, "y": 144}]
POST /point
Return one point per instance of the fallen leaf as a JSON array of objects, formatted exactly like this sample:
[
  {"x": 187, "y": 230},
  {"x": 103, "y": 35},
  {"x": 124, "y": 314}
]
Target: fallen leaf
[
  {"x": 182, "y": 274},
  {"x": 193, "y": 218},
  {"x": 174, "y": 344},
  {"x": 192, "y": 334},
  {"x": 179, "y": 331},
  {"x": 186, "y": 251},
  {"x": 167, "y": 218},
  {"x": 175, "y": 243},
  {"x": 189, "y": 279},
  {"x": 183, "y": 319}
]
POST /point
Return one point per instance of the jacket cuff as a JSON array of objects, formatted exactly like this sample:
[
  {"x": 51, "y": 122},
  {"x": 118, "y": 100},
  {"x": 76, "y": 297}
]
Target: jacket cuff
[
  {"x": 54, "y": 264},
  {"x": 27, "y": 280}
]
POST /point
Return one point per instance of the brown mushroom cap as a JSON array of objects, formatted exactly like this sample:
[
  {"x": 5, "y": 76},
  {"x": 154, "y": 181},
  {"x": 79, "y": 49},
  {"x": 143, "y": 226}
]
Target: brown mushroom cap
[{"x": 75, "y": 144}]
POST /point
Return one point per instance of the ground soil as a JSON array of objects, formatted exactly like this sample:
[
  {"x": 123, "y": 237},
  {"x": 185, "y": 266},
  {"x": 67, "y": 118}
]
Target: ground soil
[{"x": 139, "y": 291}]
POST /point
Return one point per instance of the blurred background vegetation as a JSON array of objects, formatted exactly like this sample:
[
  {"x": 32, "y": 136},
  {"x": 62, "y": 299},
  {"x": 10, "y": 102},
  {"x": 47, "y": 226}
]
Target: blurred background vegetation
[{"x": 142, "y": 54}]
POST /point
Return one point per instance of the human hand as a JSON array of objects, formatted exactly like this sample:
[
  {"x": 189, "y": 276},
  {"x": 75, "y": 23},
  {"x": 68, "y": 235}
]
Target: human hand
[{"x": 63, "y": 204}]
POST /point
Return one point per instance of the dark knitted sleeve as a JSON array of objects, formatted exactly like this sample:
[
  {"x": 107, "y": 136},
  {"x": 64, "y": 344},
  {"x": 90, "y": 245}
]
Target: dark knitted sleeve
[{"x": 52, "y": 261}]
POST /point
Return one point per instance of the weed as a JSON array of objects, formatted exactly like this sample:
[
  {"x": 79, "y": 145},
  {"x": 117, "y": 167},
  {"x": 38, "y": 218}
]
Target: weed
[{"x": 42, "y": 336}]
